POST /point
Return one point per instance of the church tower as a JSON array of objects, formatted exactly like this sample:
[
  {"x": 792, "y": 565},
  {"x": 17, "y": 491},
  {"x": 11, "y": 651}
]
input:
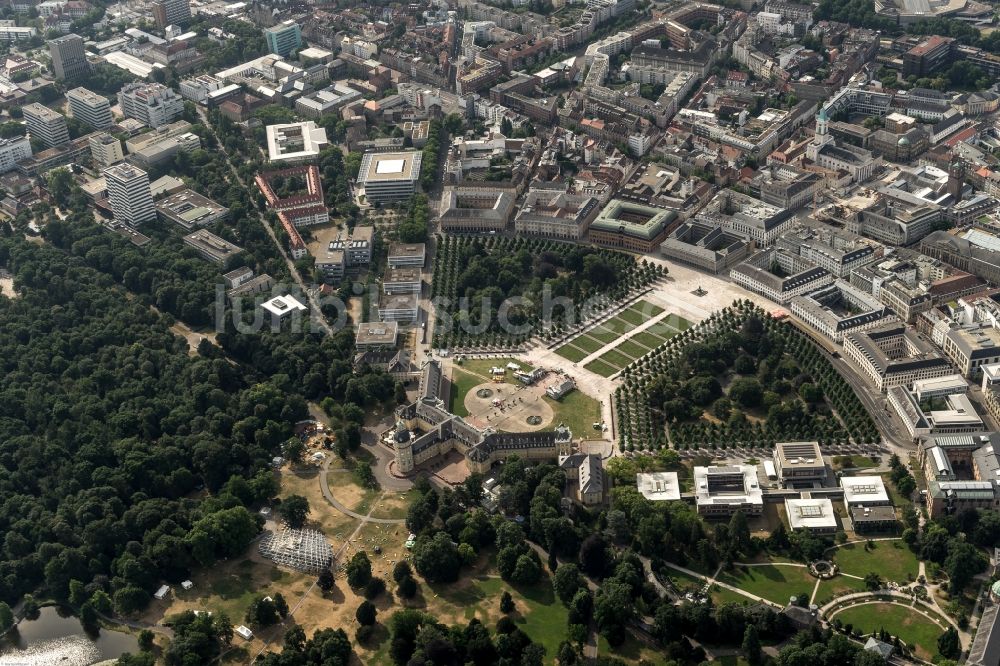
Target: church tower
[
  {"x": 956, "y": 179},
  {"x": 822, "y": 136}
]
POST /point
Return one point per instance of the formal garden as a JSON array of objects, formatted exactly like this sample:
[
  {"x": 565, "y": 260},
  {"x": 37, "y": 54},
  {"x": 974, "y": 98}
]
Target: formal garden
[
  {"x": 738, "y": 378},
  {"x": 619, "y": 328},
  {"x": 478, "y": 281}
]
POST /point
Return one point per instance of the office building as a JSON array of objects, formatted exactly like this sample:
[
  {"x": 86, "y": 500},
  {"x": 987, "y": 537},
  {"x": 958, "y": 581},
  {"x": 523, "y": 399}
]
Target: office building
[
  {"x": 131, "y": 198},
  {"x": 171, "y": 12},
  {"x": 283, "y": 38},
  {"x": 813, "y": 515},
  {"x": 211, "y": 247},
  {"x": 152, "y": 104},
  {"x": 190, "y": 209},
  {"x": 90, "y": 108},
  {"x": 724, "y": 490},
  {"x": 284, "y": 307},
  {"x": 481, "y": 209},
  {"x": 13, "y": 151},
  {"x": 824, "y": 151},
  {"x": 779, "y": 275},
  {"x": 894, "y": 355},
  {"x": 402, "y": 255},
  {"x": 705, "y": 246},
  {"x": 971, "y": 347},
  {"x": 402, "y": 281},
  {"x": 106, "y": 149},
  {"x": 631, "y": 226},
  {"x": 839, "y": 308},
  {"x": 389, "y": 177},
  {"x": 867, "y": 504},
  {"x": 69, "y": 59},
  {"x": 45, "y": 124},
  {"x": 376, "y": 334},
  {"x": 799, "y": 463},
  {"x": 295, "y": 142}
]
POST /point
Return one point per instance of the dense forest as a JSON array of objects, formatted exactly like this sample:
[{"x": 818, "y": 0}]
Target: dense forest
[{"x": 123, "y": 460}]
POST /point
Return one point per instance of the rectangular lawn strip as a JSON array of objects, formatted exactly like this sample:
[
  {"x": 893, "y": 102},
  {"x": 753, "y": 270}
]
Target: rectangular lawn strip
[
  {"x": 588, "y": 343},
  {"x": 572, "y": 352},
  {"x": 615, "y": 358},
  {"x": 648, "y": 339},
  {"x": 633, "y": 317},
  {"x": 892, "y": 560},
  {"x": 911, "y": 627},
  {"x": 632, "y": 349},
  {"x": 646, "y": 308},
  {"x": 662, "y": 330},
  {"x": 601, "y": 368},
  {"x": 610, "y": 330},
  {"x": 774, "y": 583},
  {"x": 678, "y": 322}
]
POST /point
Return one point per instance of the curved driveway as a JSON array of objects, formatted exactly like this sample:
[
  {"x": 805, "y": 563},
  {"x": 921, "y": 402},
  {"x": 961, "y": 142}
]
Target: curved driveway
[{"x": 324, "y": 485}]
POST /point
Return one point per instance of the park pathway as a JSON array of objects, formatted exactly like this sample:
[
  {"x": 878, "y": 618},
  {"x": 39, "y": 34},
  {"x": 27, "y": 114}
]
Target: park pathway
[{"x": 713, "y": 580}]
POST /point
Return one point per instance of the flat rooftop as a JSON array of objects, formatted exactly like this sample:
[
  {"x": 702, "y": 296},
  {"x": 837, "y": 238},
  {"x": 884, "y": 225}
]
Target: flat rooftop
[
  {"x": 384, "y": 167},
  {"x": 659, "y": 486},
  {"x": 810, "y": 514},
  {"x": 189, "y": 209},
  {"x": 407, "y": 250},
  {"x": 369, "y": 334},
  {"x": 864, "y": 489}
]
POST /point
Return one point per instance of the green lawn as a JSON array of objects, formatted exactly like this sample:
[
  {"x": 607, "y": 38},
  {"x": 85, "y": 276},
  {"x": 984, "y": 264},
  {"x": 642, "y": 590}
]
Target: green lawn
[
  {"x": 630, "y": 348},
  {"x": 461, "y": 383},
  {"x": 648, "y": 339},
  {"x": 611, "y": 330},
  {"x": 911, "y": 627},
  {"x": 775, "y": 583},
  {"x": 538, "y": 612},
  {"x": 856, "y": 462},
  {"x": 572, "y": 353},
  {"x": 678, "y": 322},
  {"x": 587, "y": 343},
  {"x": 577, "y": 410},
  {"x": 662, "y": 330},
  {"x": 892, "y": 560},
  {"x": 615, "y": 358},
  {"x": 601, "y": 368},
  {"x": 828, "y": 589},
  {"x": 646, "y": 308},
  {"x": 633, "y": 317}
]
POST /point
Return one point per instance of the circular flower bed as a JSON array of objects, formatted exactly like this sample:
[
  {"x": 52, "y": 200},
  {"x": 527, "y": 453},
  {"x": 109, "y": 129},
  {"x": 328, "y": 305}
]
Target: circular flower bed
[{"x": 823, "y": 569}]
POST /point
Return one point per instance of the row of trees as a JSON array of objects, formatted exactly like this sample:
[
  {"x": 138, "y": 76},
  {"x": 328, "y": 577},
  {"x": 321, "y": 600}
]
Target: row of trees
[
  {"x": 480, "y": 278},
  {"x": 776, "y": 368}
]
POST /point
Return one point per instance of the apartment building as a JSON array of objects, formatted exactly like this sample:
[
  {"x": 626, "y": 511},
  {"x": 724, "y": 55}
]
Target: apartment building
[
  {"x": 12, "y": 151},
  {"x": 45, "y": 124},
  {"x": 90, "y": 108},
  {"x": 152, "y": 104},
  {"x": 131, "y": 198}
]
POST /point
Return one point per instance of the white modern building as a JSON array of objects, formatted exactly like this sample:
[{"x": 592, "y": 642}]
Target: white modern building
[
  {"x": 295, "y": 142},
  {"x": 389, "y": 177},
  {"x": 659, "y": 486},
  {"x": 90, "y": 108},
  {"x": 283, "y": 307},
  {"x": 152, "y": 104},
  {"x": 131, "y": 198},
  {"x": 13, "y": 151},
  {"x": 815, "y": 515},
  {"x": 724, "y": 490}
]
